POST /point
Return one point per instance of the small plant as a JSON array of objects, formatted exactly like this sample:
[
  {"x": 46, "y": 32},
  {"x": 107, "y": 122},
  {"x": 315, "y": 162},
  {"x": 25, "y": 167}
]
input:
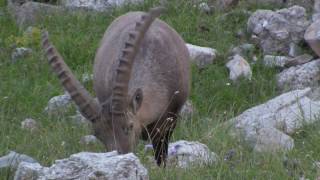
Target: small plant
[{"x": 31, "y": 37}]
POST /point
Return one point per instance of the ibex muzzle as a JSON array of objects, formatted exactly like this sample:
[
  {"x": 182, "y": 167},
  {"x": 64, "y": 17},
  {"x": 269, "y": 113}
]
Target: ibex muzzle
[{"x": 141, "y": 79}]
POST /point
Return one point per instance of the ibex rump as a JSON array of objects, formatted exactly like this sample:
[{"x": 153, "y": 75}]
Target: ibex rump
[{"x": 141, "y": 79}]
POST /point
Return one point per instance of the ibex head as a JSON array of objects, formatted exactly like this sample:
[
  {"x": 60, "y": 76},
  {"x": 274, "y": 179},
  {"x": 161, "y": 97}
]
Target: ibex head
[{"x": 111, "y": 120}]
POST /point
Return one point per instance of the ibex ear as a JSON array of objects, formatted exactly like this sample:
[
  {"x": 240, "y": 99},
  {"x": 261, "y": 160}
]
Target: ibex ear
[{"x": 136, "y": 100}]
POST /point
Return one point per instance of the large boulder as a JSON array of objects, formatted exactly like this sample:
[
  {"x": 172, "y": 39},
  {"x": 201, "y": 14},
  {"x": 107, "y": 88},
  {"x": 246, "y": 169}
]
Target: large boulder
[
  {"x": 87, "y": 165},
  {"x": 312, "y": 36},
  {"x": 267, "y": 127},
  {"x": 299, "y": 77},
  {"x": 278, "y": 31}
]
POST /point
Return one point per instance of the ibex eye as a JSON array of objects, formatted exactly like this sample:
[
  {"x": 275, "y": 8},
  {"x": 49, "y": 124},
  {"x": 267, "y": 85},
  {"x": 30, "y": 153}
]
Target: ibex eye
[
  {"x": 125, "y": 130},
  {"x": 138, "y": 97}
]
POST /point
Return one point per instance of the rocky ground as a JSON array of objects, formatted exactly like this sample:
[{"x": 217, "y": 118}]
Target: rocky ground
[{"x": 253, "y": 112}]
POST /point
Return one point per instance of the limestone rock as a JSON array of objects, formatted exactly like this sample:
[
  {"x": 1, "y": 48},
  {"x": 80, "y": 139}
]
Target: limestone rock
[
  {"x": 87, "y": 165},
  {"x": 299, "y": 77},
  {"x": 312, "y": 36},
  {"x": 20, "y": 53},
  {"x": 307, "y": 4},
  {"x": 88, "y": 139},
  {"x": 239, "y": 67},
  {"x": 201, "y": 56},
  {"x": 278, "y": 30},
  {"x": 299, "y": 60},
  {"x": 275, "y": 61},
  {"x": 272, "y": 140},
  {"x": 184, "y": 154},
  {"x": 286, "y": 62},
  {"x": 29, "y": 124},
  {"x": 59, "y": 104},
  {"x": 13, "y": 160},
  {"x": 98, "y": 5},
  {"x": 266, "y": 127}
]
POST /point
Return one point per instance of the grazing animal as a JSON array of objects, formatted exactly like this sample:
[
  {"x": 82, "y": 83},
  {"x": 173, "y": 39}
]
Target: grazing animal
[{"x": 141, "y": 79}]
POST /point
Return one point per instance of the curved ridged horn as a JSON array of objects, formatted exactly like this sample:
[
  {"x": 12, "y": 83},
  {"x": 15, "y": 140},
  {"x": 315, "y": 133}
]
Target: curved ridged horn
[
  {"x": 88, "y": 107},
  {"x": 131, "y": 48}
]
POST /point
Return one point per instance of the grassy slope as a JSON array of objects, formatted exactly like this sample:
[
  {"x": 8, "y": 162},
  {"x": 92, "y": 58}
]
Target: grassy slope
[{"x": 26, "y": 87}]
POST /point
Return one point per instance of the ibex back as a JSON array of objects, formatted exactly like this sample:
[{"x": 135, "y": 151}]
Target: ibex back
[{"x": 141, "y": 79}]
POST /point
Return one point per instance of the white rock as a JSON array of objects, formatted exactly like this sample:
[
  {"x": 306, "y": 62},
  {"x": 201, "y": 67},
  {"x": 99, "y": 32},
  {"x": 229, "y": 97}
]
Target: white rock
[
  {"x": 59, "y": 104},
  {"x": 98, "y": 5},
  {"x": 88, "y": 139},
  {"x": 276, "y": 31},
  {"x": 187, "y": 109},
  {"x": 283, "y": 114},
  {"x": 87, "y": 165},
  {"x": 201, "y": 56},
  {"x": 184, "y": 154},
  {"x": 239, "y": 67},
  {"x": 312, "y": 36},
  {"x": 275, "y": 61},
  {"x": 299, "y": 77},
  {"x": 13, "y": 160},
  {"x": 19, "y": 53},
  {"x": 29, "y": 124}
]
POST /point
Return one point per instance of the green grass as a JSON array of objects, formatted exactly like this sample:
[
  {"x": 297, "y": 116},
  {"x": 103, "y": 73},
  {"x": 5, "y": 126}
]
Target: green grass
[{"x": 26, "y": 87}]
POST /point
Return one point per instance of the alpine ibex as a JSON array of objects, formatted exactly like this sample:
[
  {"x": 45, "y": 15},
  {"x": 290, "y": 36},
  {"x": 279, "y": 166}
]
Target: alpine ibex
[{"x": 141, "y": 79}]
